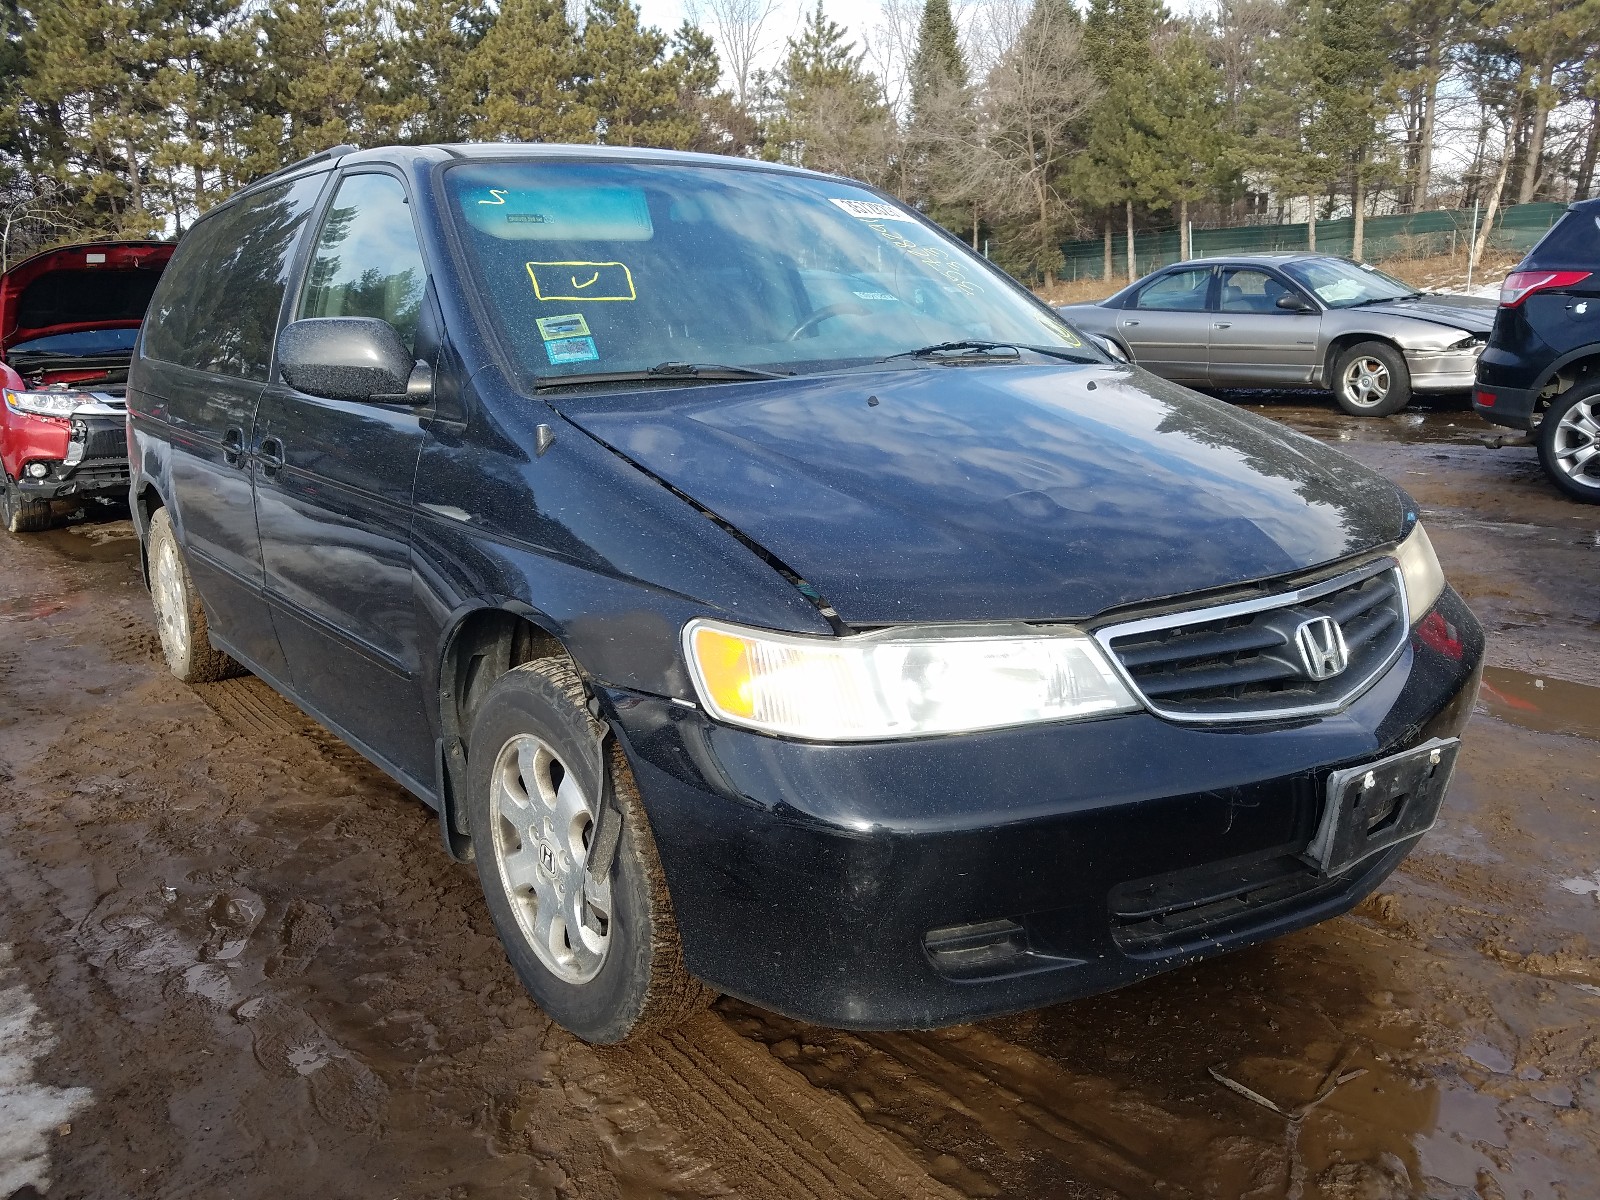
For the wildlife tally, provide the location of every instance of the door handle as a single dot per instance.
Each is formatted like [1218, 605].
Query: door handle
[271, 456]
[1128, 324]
[1222, 325]
[233, 446]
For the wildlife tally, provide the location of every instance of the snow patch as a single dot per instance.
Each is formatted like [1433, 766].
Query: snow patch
[29, 1111]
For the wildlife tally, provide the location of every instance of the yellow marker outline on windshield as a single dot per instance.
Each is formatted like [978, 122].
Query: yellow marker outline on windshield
[576, 286]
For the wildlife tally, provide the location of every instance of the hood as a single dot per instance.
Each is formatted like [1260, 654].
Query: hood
[98, 285]
[999, 492]
[1474, 314]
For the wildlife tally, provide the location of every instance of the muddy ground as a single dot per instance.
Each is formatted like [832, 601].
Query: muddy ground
[246, 950]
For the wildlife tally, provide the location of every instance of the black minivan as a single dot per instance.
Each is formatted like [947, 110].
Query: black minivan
[773, 597]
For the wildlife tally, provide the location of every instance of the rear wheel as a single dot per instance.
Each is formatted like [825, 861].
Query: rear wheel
[1569, 442]
[23, 514]
[180, 617]
[576, 892]
[1370, 379]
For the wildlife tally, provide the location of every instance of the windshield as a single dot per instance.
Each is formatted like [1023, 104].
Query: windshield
[593, 268]
[88, 343]
[1341, 284]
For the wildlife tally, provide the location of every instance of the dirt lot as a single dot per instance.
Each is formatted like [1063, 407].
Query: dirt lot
[240, 965]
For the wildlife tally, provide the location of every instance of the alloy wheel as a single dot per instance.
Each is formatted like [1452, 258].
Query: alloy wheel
[1576, 447]
[1366, 381]
[543, 829]
[171, 601]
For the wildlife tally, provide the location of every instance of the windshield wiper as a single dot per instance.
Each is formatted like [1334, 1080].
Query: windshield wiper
[666, 372]
[1384, 299]
[981, 351]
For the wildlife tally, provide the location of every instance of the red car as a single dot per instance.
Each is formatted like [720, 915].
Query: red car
[68, 320]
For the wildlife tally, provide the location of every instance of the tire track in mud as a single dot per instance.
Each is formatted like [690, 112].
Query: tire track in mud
[788, 1137]
[1101, 1130]
[251, 708]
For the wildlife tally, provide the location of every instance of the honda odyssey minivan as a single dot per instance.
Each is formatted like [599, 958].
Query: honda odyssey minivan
[772, 597]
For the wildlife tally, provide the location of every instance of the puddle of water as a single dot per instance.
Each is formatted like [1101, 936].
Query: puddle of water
[1539, 703]
[94, 542]
[1448, 427]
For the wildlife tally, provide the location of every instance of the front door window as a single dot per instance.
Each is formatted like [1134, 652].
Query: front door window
[1251, 291]
[368, 263]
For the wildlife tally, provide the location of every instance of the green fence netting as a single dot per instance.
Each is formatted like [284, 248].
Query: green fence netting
[1413, 235]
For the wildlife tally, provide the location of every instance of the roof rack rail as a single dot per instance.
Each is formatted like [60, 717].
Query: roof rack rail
[331, 153]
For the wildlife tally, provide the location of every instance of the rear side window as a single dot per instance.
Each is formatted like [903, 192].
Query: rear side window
[217, 306]
[1573, 241]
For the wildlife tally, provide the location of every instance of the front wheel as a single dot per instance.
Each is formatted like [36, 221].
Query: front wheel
[569, 872]
[1370, 379]
[22, 514]
[1569, 443]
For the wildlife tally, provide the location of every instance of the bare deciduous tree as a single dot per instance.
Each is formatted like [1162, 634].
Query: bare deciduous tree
[1014, 161]
[738, 26]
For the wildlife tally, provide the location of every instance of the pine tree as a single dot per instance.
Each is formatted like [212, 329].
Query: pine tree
[721, 123]
[628, 82]
[528, 69]
[1349, 61]
[1119, 160]
[940, 116]
[937, 64]
[1183, 113]
[429, 94]
[90, 67]
[833, 114]
[315, 75]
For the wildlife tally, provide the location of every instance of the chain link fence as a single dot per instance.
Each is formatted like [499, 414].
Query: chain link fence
[1412, 235]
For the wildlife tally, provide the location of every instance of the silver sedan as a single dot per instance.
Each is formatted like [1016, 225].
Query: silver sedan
[1294, 320]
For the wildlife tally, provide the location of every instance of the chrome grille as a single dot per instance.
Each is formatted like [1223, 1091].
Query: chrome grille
[1259, 659]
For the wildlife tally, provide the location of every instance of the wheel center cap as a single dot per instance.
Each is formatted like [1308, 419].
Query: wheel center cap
[547, 856]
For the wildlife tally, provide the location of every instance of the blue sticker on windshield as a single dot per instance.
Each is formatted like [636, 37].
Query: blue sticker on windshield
[571, 350]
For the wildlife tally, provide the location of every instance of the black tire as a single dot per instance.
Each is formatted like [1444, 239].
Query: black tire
[1371, 393]
[1569, 428]
[180, 617]
[640, 984]
[21, 514]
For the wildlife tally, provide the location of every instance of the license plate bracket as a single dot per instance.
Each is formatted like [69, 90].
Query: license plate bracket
[1376, 805]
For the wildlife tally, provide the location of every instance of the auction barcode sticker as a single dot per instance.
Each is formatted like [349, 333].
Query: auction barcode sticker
[873, 210]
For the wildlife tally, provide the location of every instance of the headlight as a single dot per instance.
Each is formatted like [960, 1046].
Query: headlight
[899, 683]
[1419, 568]
[47, 404]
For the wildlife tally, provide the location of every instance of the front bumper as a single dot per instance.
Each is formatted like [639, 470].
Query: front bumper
[106, 479]
[923, 883]
[1442, 370]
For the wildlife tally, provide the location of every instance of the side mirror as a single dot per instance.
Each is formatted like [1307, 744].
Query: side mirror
[347, 358]
[1109, 347]
[1292, 303]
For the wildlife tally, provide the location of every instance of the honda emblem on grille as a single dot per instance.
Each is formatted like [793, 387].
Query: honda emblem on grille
[1323, 653]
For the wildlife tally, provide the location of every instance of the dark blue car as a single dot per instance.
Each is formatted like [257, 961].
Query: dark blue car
[1541, 368]
[772, 597]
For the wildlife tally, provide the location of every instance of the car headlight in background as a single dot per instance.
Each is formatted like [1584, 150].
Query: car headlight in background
[46, 404]
[1419, 568]
[899, 683]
